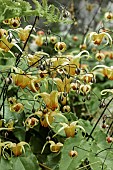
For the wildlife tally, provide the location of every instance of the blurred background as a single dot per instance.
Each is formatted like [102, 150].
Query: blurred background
[86, 14]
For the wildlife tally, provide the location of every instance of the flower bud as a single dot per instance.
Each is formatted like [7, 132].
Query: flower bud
[73, 153]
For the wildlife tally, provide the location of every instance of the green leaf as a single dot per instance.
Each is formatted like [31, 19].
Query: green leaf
[53, 160]
[10, 9]
[26, 162]
[5, 164]
[71, 162]
[94, 162]
[49, 12]
[19, 132]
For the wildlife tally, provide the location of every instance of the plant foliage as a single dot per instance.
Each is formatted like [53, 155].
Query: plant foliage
[56, 90]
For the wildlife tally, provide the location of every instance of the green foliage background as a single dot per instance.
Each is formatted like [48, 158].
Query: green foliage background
[93, 153]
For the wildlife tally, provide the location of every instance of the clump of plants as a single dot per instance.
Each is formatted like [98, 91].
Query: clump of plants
[55, 89]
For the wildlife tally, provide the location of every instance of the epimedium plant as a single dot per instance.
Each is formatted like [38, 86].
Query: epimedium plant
[55, 107]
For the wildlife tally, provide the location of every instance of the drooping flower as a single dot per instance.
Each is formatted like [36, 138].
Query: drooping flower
[108, 72]
[18, 107]
[88, 78]
[23, 33]
[60, 47]
[63, 85]
[31, 122]
[97, 38]
[72, 65]
[85, 88]
[100, 56]
[69, 128]
[47, 116]
[108, 16]
[53, 39]
[51, 100]
[47, 119]
[5, 45]
[12, 22]
[33, 60]
[16, 149]
[22, 79]
[66, 108]
[54, 147]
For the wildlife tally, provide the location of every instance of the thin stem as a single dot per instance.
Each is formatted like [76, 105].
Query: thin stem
[109, 127]
[99, 119]
[102, 151]
[105, 158]
[19, 55]
[91, 21]
[81, 148]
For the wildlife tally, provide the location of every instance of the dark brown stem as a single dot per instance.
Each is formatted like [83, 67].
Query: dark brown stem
[19, 55]
[99, 119]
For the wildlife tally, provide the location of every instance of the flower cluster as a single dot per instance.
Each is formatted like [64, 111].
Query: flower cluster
[46, 82]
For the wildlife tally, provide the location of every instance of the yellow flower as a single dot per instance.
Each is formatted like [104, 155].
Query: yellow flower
[10, 125]
[47, 116]
[69, 128]
[97, 38]
[60, 47]
[63, 98]
[66, 108]
[34, 59]
[42, 73]
[20, 79]
[18, 107]
[108, 16]
[15, 148]
[31, 122]
[5, 45]
[51, 100]
[85, 88]
[83, 46]
[47, 119]
[58, 61]
[55, 64]
[63, 85]
[75, 85]
[53, 39]
[12, 22]
[108, 72]
[100, 56]
[54, 147]
[34, 84]
[39, 40]
[88, 77]
[72, 65]
[12, 100]
[24, 33]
